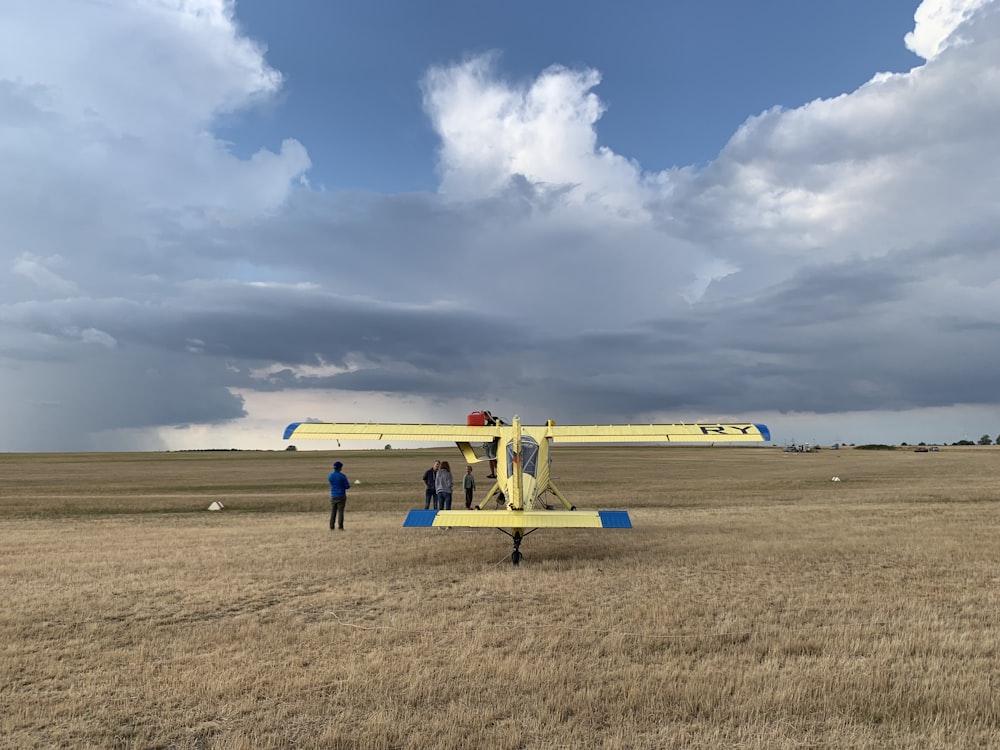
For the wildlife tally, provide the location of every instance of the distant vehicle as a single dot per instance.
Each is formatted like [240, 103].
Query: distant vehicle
[921, 449]
[934, 449]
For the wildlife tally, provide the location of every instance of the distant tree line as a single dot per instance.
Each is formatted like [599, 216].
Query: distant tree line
[984, 440]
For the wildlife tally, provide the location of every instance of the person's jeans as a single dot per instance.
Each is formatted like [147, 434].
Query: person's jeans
[430, 495]
[444, 501]
[337, 511]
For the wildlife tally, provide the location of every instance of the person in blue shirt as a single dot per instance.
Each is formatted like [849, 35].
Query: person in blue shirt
[430, 483]
[339, 485]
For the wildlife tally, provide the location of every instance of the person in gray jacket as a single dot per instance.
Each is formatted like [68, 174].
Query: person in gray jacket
[444, 485]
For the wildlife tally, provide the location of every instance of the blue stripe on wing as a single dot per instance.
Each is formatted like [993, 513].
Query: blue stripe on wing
[420, 518]
[615, 519]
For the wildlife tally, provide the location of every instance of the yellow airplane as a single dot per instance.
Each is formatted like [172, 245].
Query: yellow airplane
[520, 454]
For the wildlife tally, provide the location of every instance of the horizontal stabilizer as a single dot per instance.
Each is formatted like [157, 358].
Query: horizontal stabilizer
[521, 519]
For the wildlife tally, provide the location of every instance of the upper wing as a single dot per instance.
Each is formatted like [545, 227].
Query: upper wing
[606, 433]
[659, 433]
[445, 433]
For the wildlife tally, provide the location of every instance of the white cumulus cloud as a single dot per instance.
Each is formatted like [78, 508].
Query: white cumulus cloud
[937, 22]
[544, 131]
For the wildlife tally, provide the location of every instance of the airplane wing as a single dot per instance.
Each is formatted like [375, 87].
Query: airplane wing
[659, 433]
[445, 433]
[521, 519]
[608, 433]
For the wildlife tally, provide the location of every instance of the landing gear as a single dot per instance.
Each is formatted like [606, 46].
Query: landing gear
[517, 536]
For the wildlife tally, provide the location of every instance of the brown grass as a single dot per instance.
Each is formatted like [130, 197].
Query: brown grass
[756, 604]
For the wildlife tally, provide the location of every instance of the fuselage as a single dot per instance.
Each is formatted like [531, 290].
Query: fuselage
[523, 464]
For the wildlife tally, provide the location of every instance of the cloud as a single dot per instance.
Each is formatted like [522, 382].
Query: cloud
[110, 171]
[938, 23]
[543, 131]
[38, 271]
[114, 106]
[837, 258]
[903, 164]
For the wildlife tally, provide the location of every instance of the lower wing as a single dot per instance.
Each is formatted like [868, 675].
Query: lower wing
[521, 519]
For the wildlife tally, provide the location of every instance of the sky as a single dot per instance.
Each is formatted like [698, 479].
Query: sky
[217, 218]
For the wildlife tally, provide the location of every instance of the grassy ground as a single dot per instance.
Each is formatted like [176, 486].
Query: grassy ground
[756, 604]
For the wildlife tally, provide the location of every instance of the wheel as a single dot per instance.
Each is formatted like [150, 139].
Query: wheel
[515, 557]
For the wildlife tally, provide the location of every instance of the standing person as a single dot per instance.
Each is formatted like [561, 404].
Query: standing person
[444, 486]
[491, 454]
[469, 483]
[338, 495]
[430, 477]
[492, 446]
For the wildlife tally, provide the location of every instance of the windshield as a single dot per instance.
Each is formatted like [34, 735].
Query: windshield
[529, 456]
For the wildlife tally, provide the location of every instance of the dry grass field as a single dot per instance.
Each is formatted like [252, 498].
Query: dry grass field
[756, 604]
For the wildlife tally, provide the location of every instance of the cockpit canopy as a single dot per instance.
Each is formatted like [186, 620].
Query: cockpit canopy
[529, 456]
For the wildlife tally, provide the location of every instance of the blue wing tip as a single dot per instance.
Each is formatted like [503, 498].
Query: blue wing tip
[764, 432]
[290, 429]
[615, 519]
[420, 518]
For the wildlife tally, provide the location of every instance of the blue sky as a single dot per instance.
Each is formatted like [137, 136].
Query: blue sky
[677, 78]
[217, 218]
